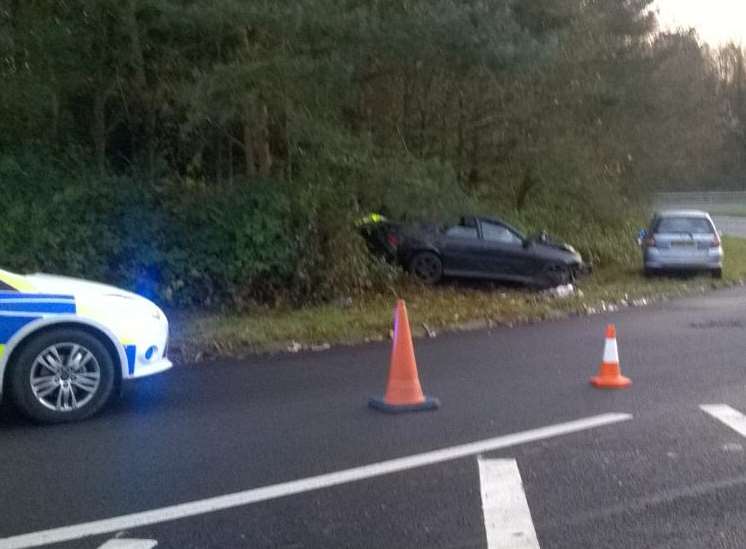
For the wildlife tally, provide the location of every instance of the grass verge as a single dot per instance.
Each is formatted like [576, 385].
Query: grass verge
[455, 306]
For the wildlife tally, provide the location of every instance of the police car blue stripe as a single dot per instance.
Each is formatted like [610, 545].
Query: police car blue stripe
[9, 325]
[131, 352]
[23, 296]
[38, 306]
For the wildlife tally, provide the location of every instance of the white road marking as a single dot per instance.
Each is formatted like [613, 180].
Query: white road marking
[184, 510]
[731, 417]
[507, 518]
[129, 544]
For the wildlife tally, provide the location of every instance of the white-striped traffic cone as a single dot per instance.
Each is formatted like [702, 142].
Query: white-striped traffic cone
[610, 374]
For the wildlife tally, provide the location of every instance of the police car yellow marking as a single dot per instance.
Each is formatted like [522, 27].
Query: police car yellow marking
[17, 282]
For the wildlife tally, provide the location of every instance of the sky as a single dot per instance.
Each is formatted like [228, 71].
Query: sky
[716, 21]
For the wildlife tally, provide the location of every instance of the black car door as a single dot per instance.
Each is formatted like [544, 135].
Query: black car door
[503, 253]
[461, 248]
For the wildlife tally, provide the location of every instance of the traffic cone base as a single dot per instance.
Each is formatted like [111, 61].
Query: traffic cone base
[403, 390]
[379, 403]
[616, 382]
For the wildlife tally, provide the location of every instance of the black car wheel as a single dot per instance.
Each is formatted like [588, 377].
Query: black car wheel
[62, 375]
[717, 273]
[427, 267]
[556, 275]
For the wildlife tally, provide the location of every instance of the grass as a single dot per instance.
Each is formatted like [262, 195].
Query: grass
[447, 307]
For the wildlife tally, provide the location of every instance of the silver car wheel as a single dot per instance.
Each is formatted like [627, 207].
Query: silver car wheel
[65, 377]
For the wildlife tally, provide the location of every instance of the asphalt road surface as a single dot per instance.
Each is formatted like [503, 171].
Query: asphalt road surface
[731, 225]
[305, 463]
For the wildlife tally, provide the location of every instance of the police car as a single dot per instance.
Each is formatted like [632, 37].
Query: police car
[66, 344]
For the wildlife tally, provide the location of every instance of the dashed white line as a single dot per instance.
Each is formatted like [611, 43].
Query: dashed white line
[507, 517]
[730, 416]
[210, 505]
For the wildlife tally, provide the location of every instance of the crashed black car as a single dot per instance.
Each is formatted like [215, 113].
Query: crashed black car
[476, 247]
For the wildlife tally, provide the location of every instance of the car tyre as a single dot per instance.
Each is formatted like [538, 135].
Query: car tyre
[62, 375]
[426, 266]
[717, 273]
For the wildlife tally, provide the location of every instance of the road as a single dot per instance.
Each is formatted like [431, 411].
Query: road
[662, 472]
[731, 225]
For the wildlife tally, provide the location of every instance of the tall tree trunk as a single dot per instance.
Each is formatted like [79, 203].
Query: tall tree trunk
[54, 101]
[365, 112]
[98, 130]
[146, 97]
[445, 109]
[527, 184]
[407, 84]
[474, 174]
[150, 139]
[285, 130]
[423, 145]
[230, 161]
[218, 158]
[740, 105]
[136, 54]
[248, 141]
[262, 148]
[460, 147]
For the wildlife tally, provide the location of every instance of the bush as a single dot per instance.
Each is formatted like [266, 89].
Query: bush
[70, 224]
[228, 244]
[195, 246]
[604, 244]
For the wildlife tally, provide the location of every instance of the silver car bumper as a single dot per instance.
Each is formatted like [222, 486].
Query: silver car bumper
[706, 260]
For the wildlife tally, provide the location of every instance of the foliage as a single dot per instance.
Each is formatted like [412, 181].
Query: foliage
[195, 248]
[219, 152]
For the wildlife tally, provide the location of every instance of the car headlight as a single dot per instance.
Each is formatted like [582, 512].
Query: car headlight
[154, 311]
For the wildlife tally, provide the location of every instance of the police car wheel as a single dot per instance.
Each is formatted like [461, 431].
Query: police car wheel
[62, 375]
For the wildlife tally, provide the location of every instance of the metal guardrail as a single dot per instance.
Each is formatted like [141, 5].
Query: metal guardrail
[711, 197]
[715, 202]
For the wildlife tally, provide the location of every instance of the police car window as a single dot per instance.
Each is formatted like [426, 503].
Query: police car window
[497, 233]
[460, 231]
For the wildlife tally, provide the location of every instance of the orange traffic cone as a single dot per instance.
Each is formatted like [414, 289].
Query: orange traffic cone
[610, 375]
[403, 391]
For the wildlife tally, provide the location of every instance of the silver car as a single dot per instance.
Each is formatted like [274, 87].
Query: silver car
[682, 240]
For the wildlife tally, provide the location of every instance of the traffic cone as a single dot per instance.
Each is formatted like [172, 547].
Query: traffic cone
[610, 375]
[403, 391]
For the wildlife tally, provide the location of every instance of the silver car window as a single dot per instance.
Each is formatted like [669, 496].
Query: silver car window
[692, 225]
